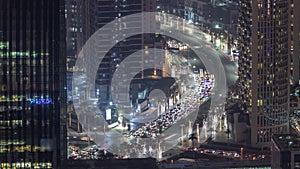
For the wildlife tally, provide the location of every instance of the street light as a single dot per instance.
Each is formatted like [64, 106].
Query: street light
[242, 149]
[198, 133]
[205, 128]
[159, 150]
[182, 128]
[190, 127]
[220, 124]
[158, 109]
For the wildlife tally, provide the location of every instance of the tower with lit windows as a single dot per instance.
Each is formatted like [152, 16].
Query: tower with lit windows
[32, 84]
[295, 41]
[107, 11]
[264, 66]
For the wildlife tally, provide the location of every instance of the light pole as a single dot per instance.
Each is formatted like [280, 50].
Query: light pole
[220, 125]
[182, 128]
[159, 16]
[198, 133]
[78, 126]
[104, 130]
[158, 109]
[205, 128]
[159, 152]
[70, 118]
[242, 150]
[190, 127]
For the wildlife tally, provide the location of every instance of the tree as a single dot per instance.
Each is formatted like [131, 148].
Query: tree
[228, 134]
[192, 137]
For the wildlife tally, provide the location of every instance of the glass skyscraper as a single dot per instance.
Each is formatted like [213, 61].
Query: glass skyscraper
[107, 11]
[32, 83]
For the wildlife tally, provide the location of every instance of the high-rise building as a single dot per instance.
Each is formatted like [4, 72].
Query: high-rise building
[71, 12]
[32, 84]
[71, 41]
[86, 21]
[285, 151]
[295, 61]
[295, 41]
[81, 23]
[218, 20]
[107, 11]
[174, 8]
[264, 66]
[85, 17]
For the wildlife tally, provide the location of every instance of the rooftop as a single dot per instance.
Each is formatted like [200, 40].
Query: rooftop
[287, 141]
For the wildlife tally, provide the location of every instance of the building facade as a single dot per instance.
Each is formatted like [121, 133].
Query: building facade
[108, 11]
[174, 8]
[32, 84]
[218, 19]
[295, 41]
[264, 66]
[285, 151]
[71, 11]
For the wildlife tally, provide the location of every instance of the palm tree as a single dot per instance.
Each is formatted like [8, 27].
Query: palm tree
[192, 137]
[228, 133]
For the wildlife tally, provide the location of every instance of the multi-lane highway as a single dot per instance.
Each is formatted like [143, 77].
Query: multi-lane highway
[215, 62]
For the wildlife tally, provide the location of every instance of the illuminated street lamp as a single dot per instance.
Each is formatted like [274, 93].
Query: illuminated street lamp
[242, 150]
[158, 109]
[220, 125]
[159, 152]
[198, 133]
[159, 16]
[190, 127]
[205, 128]
[182, 128]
